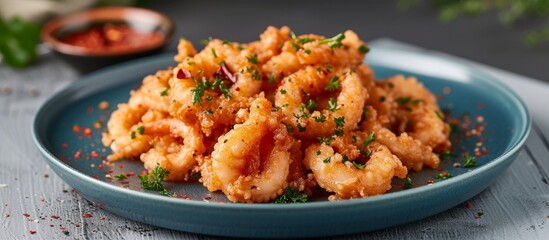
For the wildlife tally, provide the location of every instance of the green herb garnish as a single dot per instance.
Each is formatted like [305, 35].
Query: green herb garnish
[333, 42]
[332, 104]
[153, 181]
[443, 176]
[252, 59]
[311, 105]
[141, 130]
[292, 195]
[121, 177]
[470, 161]
[333, 84]
[407, 183]
[363, 49]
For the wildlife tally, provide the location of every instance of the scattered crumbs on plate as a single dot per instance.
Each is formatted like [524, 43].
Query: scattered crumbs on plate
[103, 105]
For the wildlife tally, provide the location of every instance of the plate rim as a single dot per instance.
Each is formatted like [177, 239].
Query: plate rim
[84, 81]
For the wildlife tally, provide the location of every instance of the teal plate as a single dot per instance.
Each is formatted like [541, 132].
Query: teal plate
[78, 158]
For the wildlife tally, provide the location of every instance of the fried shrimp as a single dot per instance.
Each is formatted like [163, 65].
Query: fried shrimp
[122, 134]
[411, 152]
[344, 111]
[418, 112]
[153, 93]
[279, 116]
[251, 162]
[176, 149]
[348, 179]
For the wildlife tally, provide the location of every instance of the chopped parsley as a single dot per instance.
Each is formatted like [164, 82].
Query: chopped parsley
[226, 42]
[407, 183]
[153, 181]
[446, 155]
[311, 105]
[141, 130]
[439, 115]
[198, 92]
[363, 49]
[292, 195]
[282, 91]
[132, 135]
[326, 140]
[318, 152]
[289, 127]
[320, 119]
[333, 84]
[408, 100]
[358, 165]
[470, 162]
[339, 132]
[208, 112]
[332, 104]
[121, 177]
[165, 92]
[365, 113]
[333, 42]
[307, 51]
[443, 176]
[301, 128]
[339, 121]
[272, 78]
[329, 68]
[327, 160]
[213, 52]
[304, 40]
[252, 59]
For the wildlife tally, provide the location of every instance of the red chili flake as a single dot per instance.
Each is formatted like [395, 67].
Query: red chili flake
[446, 90]
[32, 231]
[480, 106]
[97, 125]
[87, 215]
[90, 109]
[144, 172]
[26, 214]
[183, 74]
[51, 225]
[468, 205]
[54, 216]
[129, 174]
[76, 128]
[87, 132]
[96, 177]
[125, 182]
[224, 72]
[77, 225]
[237, 89]
[64, 145]
[94, 154]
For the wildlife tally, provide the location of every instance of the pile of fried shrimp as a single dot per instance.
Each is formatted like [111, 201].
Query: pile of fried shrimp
[285, 111]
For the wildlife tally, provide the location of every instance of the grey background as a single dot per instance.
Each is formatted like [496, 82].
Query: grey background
[482, 39]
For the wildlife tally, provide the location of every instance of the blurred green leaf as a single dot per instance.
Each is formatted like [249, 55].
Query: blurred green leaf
[510, 11]
[18, 42]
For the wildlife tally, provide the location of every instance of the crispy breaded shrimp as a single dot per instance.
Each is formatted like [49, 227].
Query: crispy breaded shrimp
[411, 152]
[345, 179]
[153, 93]
[122, 129]
[348, 105]
[417, 112]
[176, 150]
[251, 162]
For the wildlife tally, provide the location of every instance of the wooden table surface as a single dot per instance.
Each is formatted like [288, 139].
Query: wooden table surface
[33, 198]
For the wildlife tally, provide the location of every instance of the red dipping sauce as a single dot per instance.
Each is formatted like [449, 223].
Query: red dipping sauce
[113, 37]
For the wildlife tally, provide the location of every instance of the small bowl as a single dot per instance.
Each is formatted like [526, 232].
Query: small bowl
[86, 59]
